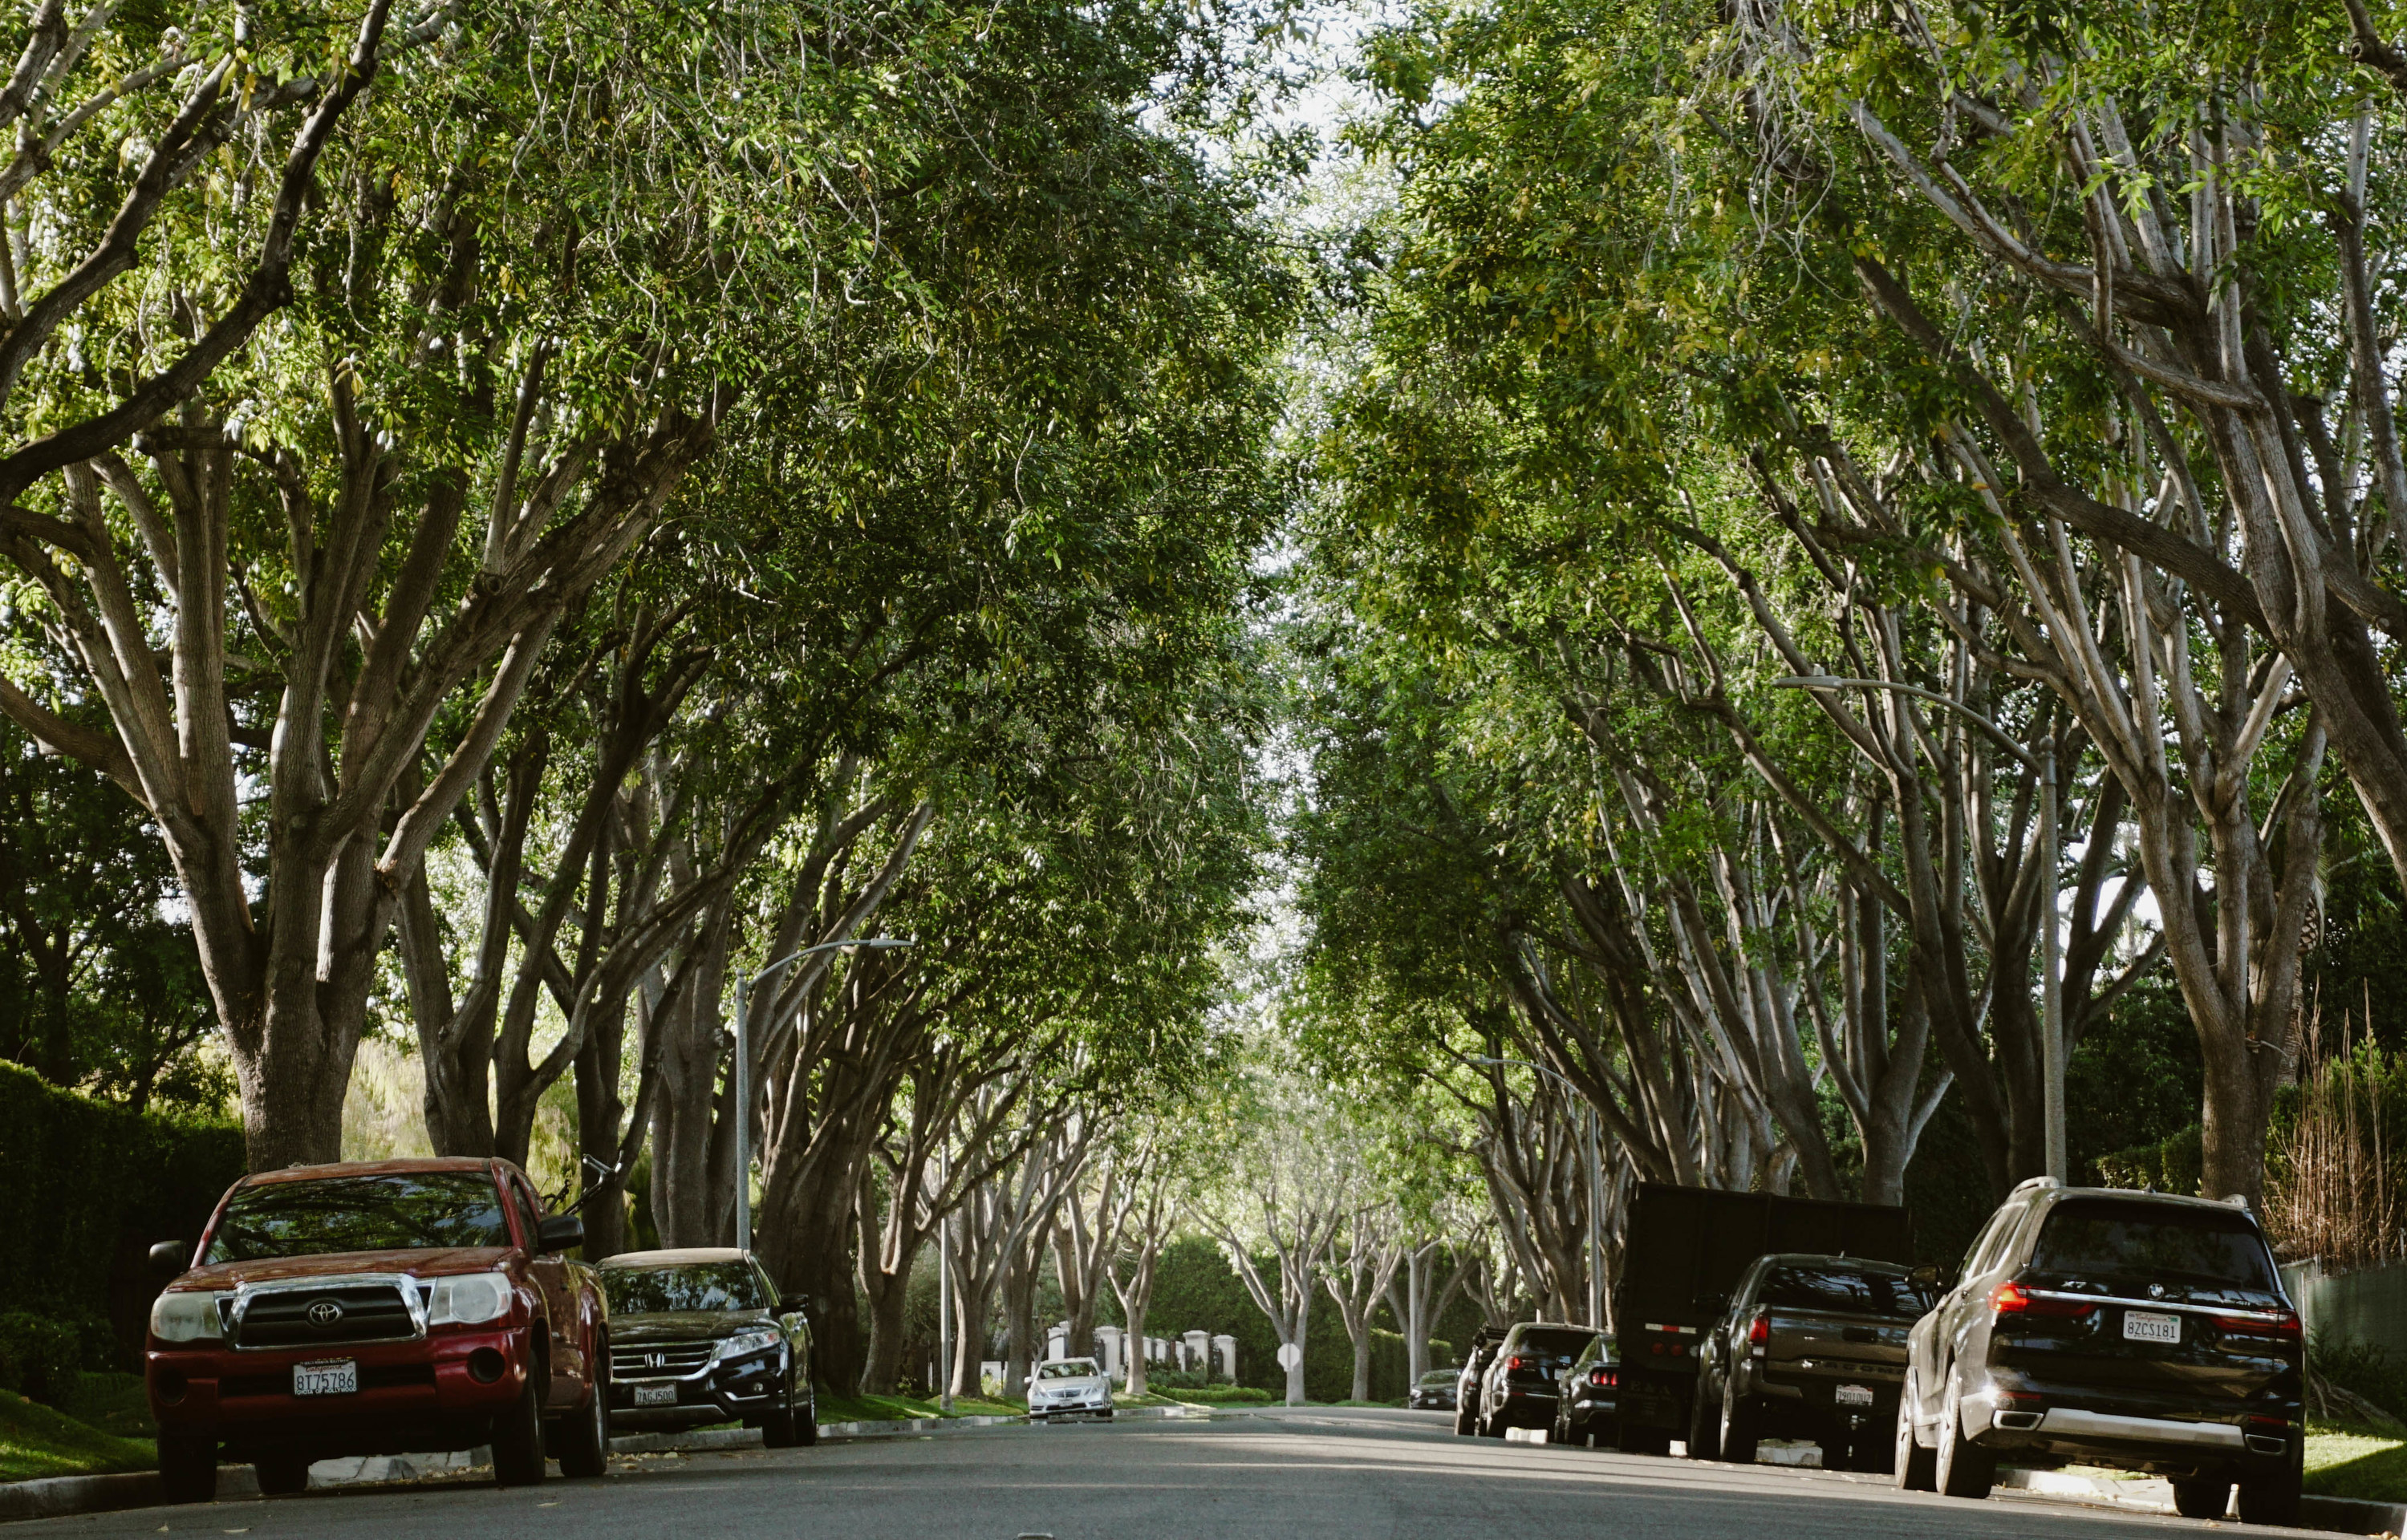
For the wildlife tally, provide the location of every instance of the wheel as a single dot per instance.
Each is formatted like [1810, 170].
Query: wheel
[2202, 1497]
[1913, 1468]
[282, 1474]
[1964, 1468]
[584, 1447]
[517, 1442]
[807, 1419]
[1873, 1451]
[1738, 1427]
[1834, 1452]
[1491, 1426]
[1463, 1427]
[188, 1468]
[777, 1428]
[1704, 1426]
[1643, 1440]
[2275, 1499]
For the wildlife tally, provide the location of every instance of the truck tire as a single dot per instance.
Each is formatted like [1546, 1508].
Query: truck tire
[1704, 1426]
[1964, 1468]
[1739, 1430]
[583, 1448]
[188, 1468]
[1655, 1441]
[778, 1431]
[1913, 1468]
[281, 1474]
[517, 1442]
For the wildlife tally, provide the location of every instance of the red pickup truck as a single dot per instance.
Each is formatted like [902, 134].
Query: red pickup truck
[379, 1307]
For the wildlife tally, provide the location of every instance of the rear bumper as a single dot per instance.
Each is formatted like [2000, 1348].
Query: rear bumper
[2157, 1433]
[420, 1396]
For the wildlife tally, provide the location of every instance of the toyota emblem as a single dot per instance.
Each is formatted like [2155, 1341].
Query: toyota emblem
[323, 1313]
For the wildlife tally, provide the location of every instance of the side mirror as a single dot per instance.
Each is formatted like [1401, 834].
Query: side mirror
[1029, 1381]
[1927, 1276]
[795, 1304]
[560, 1233]
[168, 1258]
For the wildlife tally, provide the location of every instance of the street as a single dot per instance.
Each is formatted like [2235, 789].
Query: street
[1320, 1471]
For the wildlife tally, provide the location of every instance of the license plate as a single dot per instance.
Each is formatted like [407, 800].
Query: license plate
[655, 1395]
[1853, 1396]
[2149, 1326]
[335, 1376]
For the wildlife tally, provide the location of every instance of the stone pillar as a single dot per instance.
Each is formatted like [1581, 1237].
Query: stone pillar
[1057, 1340]
[1198, 1353]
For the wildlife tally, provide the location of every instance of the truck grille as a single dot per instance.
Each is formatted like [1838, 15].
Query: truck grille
[319, 1317]
[659, 1360]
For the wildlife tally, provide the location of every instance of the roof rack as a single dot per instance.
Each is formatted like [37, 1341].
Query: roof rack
[2036, 1184]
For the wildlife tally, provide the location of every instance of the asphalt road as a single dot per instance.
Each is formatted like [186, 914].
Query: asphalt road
[1337, 1474]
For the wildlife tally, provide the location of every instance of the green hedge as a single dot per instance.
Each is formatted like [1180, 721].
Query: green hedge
[2175, 1164]
[88, 1189]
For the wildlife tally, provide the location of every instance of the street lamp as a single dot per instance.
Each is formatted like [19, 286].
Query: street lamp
[2051, 989]
[1595, 1187]
[744, 983]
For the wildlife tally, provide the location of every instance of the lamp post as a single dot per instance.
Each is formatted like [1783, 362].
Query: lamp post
[744, 983]
[2051, 988]
[1595, 1188]
[945, 1288]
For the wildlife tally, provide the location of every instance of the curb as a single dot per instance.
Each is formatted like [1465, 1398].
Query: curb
[62, 1496]
[2334, 1515]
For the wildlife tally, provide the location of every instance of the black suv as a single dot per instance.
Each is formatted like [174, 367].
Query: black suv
[1519, 1389]
[1810, 1346]
[1587, 1398]
[1483, 1344]
[2116, 1328]
[700, 1335]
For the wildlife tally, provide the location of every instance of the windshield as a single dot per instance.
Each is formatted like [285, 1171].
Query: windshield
[1067, 1369]
[2155, 1241]
[1559, 1342]
[426, 1212]
[1844, 1290]
[695, 1286]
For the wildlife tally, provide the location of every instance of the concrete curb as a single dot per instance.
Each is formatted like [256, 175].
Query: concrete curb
[61, 1496]
[2149, 1494]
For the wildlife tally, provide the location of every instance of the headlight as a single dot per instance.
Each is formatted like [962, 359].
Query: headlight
[469, 1300]
[748, 1342]
[190, 1315]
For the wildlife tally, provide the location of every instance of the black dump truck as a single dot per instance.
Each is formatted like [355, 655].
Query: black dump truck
[1686, 1249]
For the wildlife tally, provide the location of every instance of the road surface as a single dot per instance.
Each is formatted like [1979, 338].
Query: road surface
[1330, 1473]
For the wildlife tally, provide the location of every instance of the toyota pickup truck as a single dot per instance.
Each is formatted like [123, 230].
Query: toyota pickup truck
[1811, 1347]
[378, 1308]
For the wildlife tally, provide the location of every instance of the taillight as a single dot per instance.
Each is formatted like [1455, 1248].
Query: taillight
[1600, 1377]
[1759, 1331]
[1518, 1362]
[2284, 1328]
[2013, 1299]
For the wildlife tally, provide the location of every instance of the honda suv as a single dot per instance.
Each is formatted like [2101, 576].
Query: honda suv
[700, 1335]
[2134, 1330]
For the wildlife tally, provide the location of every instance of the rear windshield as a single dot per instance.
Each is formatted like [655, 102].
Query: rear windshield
[392, 1213]
[693, 1286]
[1844, 1290]
[2153, 1242]
[1554, 1342]
[1439, 1376]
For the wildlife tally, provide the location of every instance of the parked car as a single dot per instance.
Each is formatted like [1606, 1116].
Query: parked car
[1811, 1347]
[1435, 1391]
[700, 1335]
[1483, 1344]
[1588, 1397]
[1519, 1389]
[378, 1308]
[2135, 1330]
[1686, 1250]
[1069, 1387]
